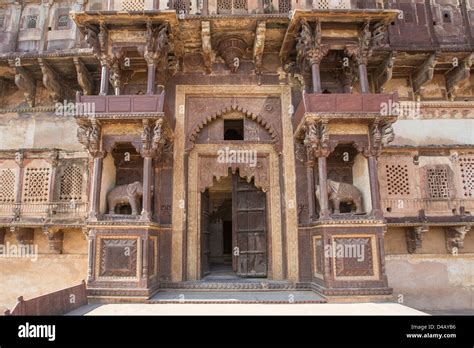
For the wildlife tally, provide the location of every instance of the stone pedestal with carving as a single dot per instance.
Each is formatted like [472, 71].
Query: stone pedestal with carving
[123, 261]
[347, 259]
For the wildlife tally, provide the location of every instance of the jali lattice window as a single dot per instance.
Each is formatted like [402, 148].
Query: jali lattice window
[224, 6]
[240, 5]
[133, 5]
[36, 185]
[181, 6]
[7, 186]
[284, 6]
[438, 182]
[332, 4]
[397, 179]
[71, 184]
[467, 175]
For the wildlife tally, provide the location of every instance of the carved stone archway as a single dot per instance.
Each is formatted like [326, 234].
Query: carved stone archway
[203, 167]
[234, 108]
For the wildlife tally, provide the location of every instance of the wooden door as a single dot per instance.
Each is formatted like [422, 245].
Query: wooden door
[249, 216]
[205, 235]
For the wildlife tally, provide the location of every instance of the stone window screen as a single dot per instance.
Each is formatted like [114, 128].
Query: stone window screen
[133, 5]
[71, 183]
[7, 186]
[240, 5]
[36, 185]
[181, 6]
[284, 6]
[438, 182]
[63, 21]
[224, 6]
[397, 179]
[332, 4]
[467, 175]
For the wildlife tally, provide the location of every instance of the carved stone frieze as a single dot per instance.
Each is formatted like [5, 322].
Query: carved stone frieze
[210, 167]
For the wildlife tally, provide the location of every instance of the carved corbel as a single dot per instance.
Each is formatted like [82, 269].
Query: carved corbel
[154, 137]
[316, 140]
[84, 77]
[51, 81]
[362, 51]
[25, 82]
[381, 134]
[55, 239]
[459, 77]
[384, 72]
[91, 36]
[259, 46]
[2, 235]
[414, 237]
[23, 235]
[88, 134]
[424, 74]
[206, 45]
[455, 237]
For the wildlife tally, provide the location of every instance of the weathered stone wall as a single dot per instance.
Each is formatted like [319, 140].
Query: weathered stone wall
[430, 279]
[44, 272]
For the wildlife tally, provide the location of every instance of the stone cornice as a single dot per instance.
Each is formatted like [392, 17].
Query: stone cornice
[78, 52]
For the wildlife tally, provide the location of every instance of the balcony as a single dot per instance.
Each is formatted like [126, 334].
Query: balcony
[345, 107]
[120, 106]
[57, 210]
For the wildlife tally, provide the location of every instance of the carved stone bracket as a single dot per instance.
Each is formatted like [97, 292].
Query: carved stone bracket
[51, 81]
[55, 239]
[2, 235]
[259, 45]
[25, 82]
[381, 135]
[362, 51]
[424, 74]
[89, 135]
[384, 72]
[459, 77]
[414, 237]
[316, 140]
[309, 47]
[206, 45]
[84, 77]
[455, 237]
[154, 138]
[157, 45]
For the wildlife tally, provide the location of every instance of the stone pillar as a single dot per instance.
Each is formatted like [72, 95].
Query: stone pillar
[150, 90]
[104, 78]
[91, 251]
[147, 212]
[364, 80]
[315, 56]
[205, 7]
[323, 188]
[374, 186]
[94, 200]
[316, 77]
[311, 191]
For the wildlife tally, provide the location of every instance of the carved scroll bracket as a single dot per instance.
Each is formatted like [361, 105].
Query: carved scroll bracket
[89, 135]
[381, 135]
[155, 137]
[455, 237]
[414, 237]
[316, 140]
[51, 81]
[25, 82]
[55, 239]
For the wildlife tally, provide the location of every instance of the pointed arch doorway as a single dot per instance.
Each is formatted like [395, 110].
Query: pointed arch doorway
[234, 232]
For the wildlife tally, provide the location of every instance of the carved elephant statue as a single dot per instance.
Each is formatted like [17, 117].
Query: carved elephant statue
[341, 192]
[125, 194]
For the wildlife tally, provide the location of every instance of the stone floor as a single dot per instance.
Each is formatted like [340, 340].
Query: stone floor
[242, 308]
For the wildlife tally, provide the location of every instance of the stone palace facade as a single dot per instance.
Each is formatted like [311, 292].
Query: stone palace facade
[323, 145]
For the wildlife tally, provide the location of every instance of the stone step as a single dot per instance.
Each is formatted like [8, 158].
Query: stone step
[230, 297]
